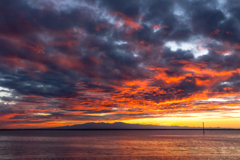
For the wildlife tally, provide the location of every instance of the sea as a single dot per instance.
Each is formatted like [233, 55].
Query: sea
[119, 144]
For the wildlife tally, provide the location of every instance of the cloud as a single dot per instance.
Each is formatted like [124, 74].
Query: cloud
[80, 61]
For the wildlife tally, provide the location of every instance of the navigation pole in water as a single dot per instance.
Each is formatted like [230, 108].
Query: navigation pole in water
[203, 128]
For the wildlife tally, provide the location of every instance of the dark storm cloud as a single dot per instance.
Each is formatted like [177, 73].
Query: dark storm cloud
[48, 86]
[130, 9]
[232, 85]
[184, 89]
[6, 109]
[169, 56]
[103, 58]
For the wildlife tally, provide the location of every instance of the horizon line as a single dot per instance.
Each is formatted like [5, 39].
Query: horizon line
[127, 129]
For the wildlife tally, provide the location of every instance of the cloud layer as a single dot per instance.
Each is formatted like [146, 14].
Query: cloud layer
[69, 62]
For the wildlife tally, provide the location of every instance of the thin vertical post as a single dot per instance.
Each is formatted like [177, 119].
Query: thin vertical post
[203, 128]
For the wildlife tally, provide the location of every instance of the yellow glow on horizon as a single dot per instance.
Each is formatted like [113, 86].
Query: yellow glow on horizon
[211, 122]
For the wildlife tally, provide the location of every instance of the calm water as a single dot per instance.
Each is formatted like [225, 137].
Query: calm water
[119, 144]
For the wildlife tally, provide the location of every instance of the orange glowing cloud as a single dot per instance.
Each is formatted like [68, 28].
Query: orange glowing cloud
[215, 32]
[160, 26]
[128, 22]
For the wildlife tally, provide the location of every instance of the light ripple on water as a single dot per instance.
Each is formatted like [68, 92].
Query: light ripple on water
[143, 144]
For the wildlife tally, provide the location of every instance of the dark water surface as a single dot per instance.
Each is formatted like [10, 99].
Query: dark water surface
[119, 144]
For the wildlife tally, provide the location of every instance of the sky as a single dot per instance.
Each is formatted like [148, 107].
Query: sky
[160, 62]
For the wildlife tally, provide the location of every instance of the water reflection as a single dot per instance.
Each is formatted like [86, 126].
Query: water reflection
[119, 144]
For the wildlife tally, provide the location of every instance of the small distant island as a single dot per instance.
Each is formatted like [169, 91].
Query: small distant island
[122, 126]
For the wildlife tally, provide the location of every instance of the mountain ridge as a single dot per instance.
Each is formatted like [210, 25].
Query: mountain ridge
[120, 125]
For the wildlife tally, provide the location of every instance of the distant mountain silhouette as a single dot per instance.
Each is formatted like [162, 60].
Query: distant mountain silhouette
[120, 125]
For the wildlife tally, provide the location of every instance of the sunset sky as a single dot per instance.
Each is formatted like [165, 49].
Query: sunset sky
[160, 62]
